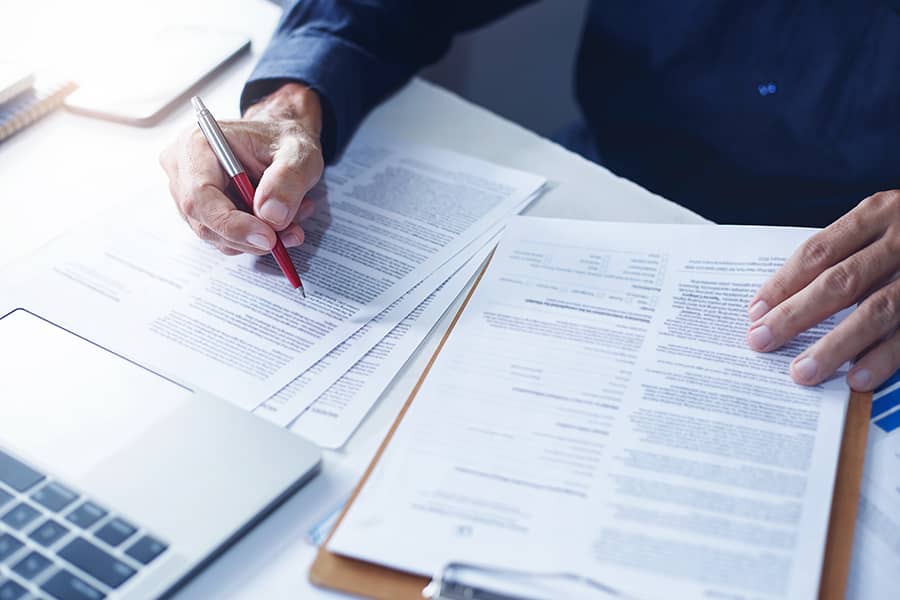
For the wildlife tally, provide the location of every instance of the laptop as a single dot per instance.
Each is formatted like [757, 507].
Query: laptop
[116, 482]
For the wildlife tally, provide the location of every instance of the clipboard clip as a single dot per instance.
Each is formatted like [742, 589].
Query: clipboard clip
[466, 581]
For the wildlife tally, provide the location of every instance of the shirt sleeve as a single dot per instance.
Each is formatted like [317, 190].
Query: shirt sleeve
[354, 53]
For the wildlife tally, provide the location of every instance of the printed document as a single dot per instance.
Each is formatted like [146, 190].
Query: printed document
[387, 216]
[338, 411]
[596, 410]
[296, 397]
[875, 562]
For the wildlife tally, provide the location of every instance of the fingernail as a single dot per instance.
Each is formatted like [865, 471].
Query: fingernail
[805, 369]
[274, 211]
[860, 380]
[290, 239]
[260, 241]
[758, 310]
[760, 338]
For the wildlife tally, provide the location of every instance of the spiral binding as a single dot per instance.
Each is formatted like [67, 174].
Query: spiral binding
[29, 106]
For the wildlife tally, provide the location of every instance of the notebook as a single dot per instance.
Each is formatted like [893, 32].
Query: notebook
[26, 107]
[14, 79]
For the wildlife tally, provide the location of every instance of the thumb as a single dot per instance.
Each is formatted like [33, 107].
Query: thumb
[295, 169]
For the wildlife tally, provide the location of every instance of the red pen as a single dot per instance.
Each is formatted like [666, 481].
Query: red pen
[238, 175]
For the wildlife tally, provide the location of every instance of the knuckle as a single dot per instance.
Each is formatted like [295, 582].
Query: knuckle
[815, 252]
[881, 307]
[220, 223]
[887, 200]
[842, 281]
[785, 313]
[189, 204]
[849, 225]
[892, 242]
[227, 225]
[777, 286]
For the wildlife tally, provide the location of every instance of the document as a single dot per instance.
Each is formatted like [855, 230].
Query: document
[292, 400]
[387, 216]
[335, 414]
[875, 562]
[596, 411]
[300, 394]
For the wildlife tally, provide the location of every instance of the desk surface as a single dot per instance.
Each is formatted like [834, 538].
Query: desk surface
[43, 170]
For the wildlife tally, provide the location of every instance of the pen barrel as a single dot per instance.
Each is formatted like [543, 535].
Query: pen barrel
[245, 191]
[219, 144]
[279, 252]
[281, 256]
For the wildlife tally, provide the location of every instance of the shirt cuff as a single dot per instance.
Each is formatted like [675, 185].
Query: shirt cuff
[349, 80]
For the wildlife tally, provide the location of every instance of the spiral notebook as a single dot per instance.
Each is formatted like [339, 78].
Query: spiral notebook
[30, 105]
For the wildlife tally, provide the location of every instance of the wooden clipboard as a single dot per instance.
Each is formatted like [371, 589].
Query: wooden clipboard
[361, 578]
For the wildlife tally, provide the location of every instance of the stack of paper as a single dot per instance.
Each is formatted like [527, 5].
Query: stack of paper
[875, 562]
[398, 232]
[612, 423]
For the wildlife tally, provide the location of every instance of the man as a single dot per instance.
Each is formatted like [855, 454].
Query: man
[746, 112]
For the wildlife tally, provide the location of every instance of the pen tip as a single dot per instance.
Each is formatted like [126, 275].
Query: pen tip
[302, 291]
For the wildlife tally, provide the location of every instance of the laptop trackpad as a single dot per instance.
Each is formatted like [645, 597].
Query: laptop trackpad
[68, 404]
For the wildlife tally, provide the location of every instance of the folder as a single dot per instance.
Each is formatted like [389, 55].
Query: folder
[370, 580]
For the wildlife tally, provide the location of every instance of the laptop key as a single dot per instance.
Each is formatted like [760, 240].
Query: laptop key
[115, 532]
[17, 474]
[65, 586]
[32, 565]
[4, 497]
[86, 515]
[48, 533]
[146, 549]
[20, 515]
[103, 567]
[54, 496]
[10, 590]
[8, 546]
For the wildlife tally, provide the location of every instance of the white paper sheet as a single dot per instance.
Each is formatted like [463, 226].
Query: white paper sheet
[597, 410]
[875, 562]
[329, 373]
[334, 415]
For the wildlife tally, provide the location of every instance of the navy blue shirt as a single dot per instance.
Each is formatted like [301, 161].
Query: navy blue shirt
[761, 112]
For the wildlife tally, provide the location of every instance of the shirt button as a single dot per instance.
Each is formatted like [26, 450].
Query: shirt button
[766, 89]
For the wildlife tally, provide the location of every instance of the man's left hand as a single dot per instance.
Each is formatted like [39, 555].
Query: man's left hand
[853, 260]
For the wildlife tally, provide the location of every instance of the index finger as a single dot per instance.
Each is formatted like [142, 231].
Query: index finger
[210, 206]
[823, 250]
[201, 197]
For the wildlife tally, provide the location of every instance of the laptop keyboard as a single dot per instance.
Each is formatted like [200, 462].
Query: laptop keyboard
[55, 543]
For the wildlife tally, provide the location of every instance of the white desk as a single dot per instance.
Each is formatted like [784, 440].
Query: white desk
[67, 168]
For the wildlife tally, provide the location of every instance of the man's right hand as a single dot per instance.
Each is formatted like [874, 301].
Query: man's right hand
[277, 141]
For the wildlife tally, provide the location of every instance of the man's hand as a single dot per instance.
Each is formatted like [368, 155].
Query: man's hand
[855, 259]
[277, 141]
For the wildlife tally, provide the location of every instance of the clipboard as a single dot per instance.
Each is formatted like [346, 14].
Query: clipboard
[353, 576]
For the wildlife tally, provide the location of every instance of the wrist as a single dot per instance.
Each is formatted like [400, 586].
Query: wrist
[290, 102]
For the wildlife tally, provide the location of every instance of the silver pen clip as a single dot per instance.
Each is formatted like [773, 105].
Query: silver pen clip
[216, 138]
